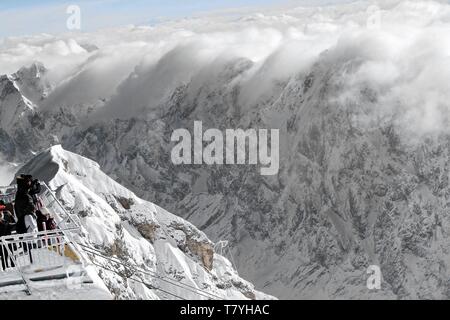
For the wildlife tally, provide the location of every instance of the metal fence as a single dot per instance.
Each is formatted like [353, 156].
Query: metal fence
[36, 251]
[44, 251]
[64, 219]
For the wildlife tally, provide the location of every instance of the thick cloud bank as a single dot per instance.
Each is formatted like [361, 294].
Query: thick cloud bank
[400, 49]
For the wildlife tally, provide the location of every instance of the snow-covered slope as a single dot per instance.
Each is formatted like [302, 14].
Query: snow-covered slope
[121, 225]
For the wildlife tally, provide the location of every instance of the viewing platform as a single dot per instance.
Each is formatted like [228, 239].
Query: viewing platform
[47, 264]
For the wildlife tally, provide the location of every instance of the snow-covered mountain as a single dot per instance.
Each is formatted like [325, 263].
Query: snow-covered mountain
[20, 94]
[119, 224]
[363, 119]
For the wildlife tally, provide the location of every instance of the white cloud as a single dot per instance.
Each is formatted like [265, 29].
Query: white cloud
[405, 60]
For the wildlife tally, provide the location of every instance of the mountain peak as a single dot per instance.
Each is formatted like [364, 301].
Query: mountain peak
[34, 70]
[32, 83]
[121, 225]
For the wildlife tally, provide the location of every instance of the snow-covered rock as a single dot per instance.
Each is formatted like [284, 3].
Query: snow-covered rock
[121, 225]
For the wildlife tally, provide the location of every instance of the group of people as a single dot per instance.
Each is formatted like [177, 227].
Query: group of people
[25, 215]
[27, 204]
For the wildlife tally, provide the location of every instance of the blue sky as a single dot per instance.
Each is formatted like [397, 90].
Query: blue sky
[23, 17]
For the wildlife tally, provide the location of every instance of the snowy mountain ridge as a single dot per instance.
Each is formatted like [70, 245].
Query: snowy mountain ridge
[119, 224]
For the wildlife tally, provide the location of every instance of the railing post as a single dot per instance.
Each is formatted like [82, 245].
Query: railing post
[3, 262]
[6, 245]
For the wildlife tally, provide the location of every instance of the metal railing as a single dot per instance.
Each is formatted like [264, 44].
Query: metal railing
[43, 251]
[31, 253]
[64, 219]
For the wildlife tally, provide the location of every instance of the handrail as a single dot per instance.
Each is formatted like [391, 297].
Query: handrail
[47, 249]
[34, 235]
[69, 232]
[71, 218]
[50, 239]
[11, 256]
[136, 269]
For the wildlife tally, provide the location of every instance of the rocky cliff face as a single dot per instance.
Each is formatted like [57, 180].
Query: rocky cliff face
[21, 132]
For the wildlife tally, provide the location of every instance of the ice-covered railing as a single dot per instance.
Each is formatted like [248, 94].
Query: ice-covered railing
[30, 254]
[64, 218]
[43, 250]
[38, 256]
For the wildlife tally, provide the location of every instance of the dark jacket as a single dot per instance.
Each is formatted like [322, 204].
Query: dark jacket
[7, 223]
[23, 206]
[45, 222]
[34, 191]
